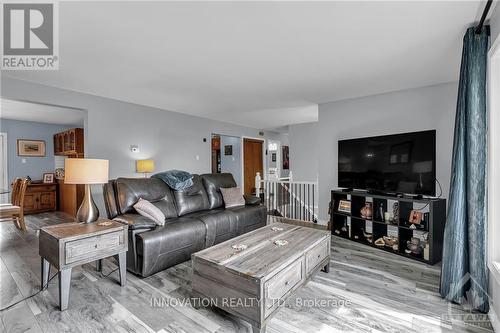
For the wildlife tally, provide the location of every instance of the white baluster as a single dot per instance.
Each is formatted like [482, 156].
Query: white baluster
[257, 184]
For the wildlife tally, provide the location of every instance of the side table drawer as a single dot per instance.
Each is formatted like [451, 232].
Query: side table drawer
[316, 255]
[89, 247]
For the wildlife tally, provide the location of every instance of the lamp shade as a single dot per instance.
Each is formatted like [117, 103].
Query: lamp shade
[145, 165]
[85, 171]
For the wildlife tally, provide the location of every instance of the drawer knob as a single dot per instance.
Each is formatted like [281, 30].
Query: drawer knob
[95, 246]
[286, 283]
[319, 255]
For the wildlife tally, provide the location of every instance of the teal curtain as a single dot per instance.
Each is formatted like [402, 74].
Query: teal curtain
[464, 276]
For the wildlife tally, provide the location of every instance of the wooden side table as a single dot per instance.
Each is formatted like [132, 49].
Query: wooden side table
[68, 245]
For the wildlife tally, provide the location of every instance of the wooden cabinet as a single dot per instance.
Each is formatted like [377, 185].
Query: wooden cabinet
[69, 143]
[70, 197]
[40, 198]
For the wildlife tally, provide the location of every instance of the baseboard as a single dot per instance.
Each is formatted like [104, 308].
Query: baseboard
[494, 319]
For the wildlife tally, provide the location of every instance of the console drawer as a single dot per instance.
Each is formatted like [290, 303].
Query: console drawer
[88, 247]
[282, 283]
[316, 255]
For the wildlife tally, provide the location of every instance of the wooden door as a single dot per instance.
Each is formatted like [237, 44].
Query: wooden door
[252, 163]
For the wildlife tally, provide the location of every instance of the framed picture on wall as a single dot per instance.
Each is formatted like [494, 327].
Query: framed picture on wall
[32, 148]
[286, 157]
[228, 150]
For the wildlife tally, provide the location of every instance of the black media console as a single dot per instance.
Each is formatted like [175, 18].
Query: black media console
[393, 232]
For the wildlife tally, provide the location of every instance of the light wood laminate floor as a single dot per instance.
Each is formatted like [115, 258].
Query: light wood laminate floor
[366, 290]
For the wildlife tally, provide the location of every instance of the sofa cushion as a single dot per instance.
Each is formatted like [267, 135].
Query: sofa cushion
[249, 217]
[232, 197]
[129, 190]
[169, 245]
[220, 225]
[213, 182]
[192, 199]
[147, 209]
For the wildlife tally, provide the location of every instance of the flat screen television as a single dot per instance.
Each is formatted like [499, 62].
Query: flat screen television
[399, 163]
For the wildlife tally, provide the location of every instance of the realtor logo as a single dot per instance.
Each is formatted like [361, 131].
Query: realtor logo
[29, 36]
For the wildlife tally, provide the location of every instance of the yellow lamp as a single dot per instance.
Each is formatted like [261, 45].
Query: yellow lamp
[86, 171]
[145, 166]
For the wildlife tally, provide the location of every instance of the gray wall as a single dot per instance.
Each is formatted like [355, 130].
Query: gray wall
[495, 23]
[34, 166]
[304, 151]
[173, 140]
[412, 110]
[231, 164]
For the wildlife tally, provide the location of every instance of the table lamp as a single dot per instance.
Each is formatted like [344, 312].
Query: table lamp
[145, 166]
[86, 171]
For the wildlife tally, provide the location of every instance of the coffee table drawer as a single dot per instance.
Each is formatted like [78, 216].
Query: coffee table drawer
[283, 282]
[89, 247]
[316, 255]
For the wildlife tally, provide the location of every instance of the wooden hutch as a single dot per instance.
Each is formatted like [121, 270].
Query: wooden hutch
[70, 144]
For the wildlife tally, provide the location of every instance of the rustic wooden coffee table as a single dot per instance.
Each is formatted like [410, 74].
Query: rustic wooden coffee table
[252, 283]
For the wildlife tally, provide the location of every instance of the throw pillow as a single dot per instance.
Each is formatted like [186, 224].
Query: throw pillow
[232, 197]
[147, 209]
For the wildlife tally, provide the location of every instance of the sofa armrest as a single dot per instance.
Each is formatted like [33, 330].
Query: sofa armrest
[136, 221]
[251, 200]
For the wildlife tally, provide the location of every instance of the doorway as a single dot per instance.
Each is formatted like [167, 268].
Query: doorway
[226, 156]
[273, 160]
[58, 132]
[4, 182]
[253, 162]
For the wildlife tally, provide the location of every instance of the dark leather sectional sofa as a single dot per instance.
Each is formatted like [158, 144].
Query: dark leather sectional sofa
[195, 219]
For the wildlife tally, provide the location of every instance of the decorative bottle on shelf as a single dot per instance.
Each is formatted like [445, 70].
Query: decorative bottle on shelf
[426, 251]
[395, 212]
[367, 211]
[381, 212]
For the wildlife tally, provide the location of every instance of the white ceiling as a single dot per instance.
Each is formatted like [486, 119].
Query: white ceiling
[260, 64]
[40, 113]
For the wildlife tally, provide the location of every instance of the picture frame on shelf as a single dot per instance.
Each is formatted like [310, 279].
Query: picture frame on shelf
[415, 217]
[344, 206]
[48, 178]
[30, 148]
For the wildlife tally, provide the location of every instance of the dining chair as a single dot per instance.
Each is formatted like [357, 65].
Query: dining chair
[15, 211]
[15, 188]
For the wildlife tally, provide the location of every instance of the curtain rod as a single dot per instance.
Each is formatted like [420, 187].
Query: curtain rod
[483, 17]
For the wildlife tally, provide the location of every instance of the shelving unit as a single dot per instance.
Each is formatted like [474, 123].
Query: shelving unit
[354, 227]
[69, 143]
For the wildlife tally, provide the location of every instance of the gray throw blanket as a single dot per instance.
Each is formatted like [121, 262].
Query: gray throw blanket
[176, 179]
